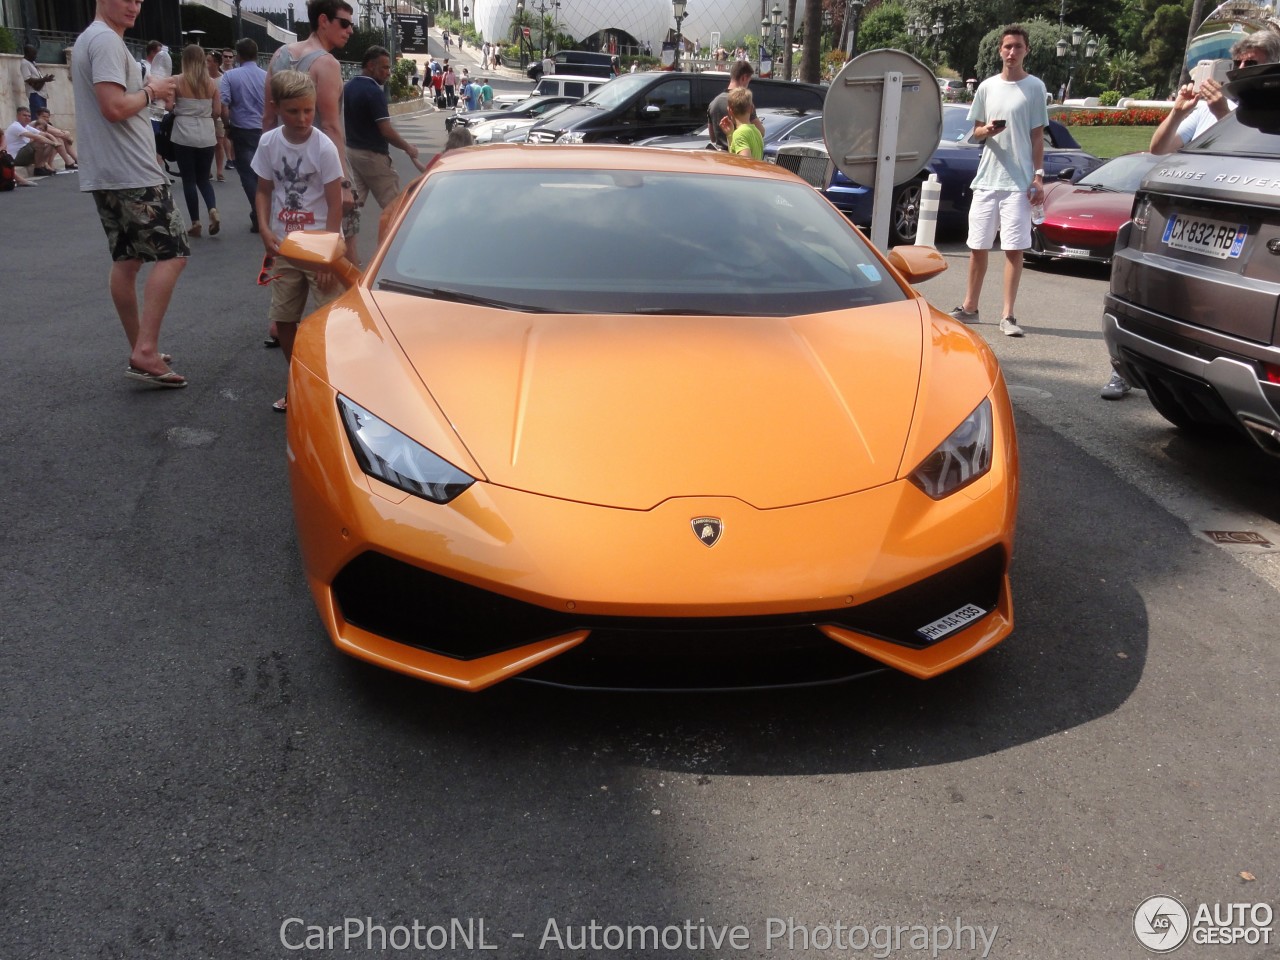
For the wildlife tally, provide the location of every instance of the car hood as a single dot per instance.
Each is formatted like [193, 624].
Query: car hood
[1087, 208]
[628, 411]
[570, 118]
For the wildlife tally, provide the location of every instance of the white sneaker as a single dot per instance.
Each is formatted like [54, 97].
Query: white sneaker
[965, 316]
[1116, 387]
[1009, 327]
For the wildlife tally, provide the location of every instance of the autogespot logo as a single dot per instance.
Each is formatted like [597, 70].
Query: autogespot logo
[1161, 923]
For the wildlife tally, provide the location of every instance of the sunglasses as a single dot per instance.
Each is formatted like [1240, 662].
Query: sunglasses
[343, 22]
[1247, 62]
[265, 275]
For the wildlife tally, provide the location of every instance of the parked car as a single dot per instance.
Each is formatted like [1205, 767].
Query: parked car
[952, 88]
[1191, 316]
[557, 85]
[530, 107]
[1081, 219]
[640, 105]
[781, 125]
[678, 426]
[955, 162]
[587, 63]
[514, 130]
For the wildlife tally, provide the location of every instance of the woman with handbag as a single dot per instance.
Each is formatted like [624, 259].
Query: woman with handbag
[194, 139]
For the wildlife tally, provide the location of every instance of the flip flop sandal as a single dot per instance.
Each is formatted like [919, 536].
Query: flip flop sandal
[169, 379]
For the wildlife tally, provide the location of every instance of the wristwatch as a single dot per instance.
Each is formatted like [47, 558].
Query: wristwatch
[1039, 173]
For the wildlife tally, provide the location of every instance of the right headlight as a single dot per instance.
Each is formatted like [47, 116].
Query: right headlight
[961, 458]
[386, 453]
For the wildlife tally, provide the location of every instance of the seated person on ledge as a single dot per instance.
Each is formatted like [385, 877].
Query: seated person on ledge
[66, 147]
[29, 146]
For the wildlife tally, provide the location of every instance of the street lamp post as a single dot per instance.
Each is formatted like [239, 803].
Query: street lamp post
[542, 28]
[679, 8]
[915, 30]
[938, 28]
[773, 30]
[854, 7]
[1072, 52]
[291, 18]
[524, 53]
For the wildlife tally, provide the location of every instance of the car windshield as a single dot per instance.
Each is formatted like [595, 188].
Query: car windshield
[776, 123]
[617, 91]
[631, 242]
[1123, 174]
[956, 125]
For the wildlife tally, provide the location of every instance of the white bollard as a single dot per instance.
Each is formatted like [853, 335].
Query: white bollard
[927, 227]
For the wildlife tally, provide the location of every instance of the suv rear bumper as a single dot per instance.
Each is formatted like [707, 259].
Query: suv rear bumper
[1182, 366]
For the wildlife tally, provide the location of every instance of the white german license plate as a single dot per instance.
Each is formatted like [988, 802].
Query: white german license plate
[951, 622]
[1210, 238]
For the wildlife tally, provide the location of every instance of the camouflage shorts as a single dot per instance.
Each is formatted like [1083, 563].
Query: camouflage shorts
[142, 223]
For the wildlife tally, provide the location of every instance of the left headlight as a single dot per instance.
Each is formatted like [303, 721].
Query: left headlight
[571, 137]
[386, 453]
[960, 459]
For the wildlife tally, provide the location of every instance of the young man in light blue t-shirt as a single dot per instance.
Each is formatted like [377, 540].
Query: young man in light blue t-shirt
[1009, 117]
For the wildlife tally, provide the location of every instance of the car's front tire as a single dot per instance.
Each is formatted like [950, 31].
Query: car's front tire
[904, 222]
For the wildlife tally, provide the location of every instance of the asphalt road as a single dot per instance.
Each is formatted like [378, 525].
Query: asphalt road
[190, 771]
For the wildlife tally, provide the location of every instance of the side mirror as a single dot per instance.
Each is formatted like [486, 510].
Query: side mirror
[326, 251]
[1067, 174]
[650, 112]
[917, 263]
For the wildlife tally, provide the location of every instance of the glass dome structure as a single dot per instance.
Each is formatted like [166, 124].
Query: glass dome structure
[1227, 23]
[643, 20]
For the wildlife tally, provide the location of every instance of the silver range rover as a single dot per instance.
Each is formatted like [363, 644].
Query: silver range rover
[1192, 314]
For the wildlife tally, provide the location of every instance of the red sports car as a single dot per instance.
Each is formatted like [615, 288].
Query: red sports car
[1081, 219]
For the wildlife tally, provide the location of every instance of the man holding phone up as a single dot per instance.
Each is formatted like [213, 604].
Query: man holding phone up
[1201, 104]
[1009, 118]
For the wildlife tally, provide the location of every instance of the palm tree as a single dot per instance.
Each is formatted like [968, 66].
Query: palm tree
[1121, 69]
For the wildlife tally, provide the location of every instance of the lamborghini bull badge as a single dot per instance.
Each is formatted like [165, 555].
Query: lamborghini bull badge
[708, 529]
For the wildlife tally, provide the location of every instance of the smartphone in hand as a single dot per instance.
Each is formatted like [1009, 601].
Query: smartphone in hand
[998, 124]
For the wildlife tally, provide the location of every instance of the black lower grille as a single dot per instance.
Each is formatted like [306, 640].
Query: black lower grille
[1180, 397]
[413, 606]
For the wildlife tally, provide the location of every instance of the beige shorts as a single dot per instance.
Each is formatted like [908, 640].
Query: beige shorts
[373, 173]
[289, 292]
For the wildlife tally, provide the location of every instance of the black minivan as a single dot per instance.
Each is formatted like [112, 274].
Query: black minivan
[639, 105]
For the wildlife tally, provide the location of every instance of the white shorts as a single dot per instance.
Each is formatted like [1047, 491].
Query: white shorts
[1006, 210]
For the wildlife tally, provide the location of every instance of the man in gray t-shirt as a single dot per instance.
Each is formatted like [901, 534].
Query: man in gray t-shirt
[118, 165]
[739, 76]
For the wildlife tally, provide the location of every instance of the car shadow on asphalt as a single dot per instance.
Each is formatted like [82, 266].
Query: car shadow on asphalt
[1077, 653]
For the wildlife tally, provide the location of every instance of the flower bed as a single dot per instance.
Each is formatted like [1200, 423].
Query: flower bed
[1127, 117]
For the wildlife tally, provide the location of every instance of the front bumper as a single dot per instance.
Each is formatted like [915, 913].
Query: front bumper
[499, 582]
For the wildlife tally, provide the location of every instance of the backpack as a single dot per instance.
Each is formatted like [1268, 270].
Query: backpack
[164, 139]
[8, 173]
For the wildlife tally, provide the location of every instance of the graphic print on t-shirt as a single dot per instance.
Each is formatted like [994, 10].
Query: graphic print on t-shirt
[294, 182]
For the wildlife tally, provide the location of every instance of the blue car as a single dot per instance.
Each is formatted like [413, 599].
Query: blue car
[955, 162]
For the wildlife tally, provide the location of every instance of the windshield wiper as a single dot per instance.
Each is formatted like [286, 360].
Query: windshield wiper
[457, 296]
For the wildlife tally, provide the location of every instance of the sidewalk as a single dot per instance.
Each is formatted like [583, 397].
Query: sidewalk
[467, 56]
